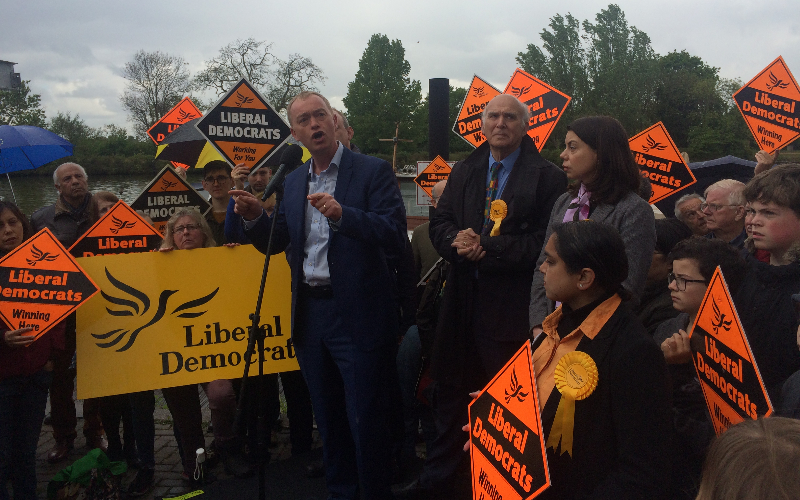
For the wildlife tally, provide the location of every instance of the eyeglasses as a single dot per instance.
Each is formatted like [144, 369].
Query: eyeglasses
[187, 227]
[680, 283]
[219, 178]
[713, 207]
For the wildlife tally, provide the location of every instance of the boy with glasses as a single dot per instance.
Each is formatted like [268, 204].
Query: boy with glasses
[217, 181]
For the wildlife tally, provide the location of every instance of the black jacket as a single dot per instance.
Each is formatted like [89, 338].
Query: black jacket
[495, 303]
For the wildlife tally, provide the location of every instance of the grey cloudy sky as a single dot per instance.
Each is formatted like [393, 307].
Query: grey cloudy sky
[73, 51]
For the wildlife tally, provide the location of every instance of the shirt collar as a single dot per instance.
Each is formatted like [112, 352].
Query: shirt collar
[335, 161]
[593, 323]
[508, 161]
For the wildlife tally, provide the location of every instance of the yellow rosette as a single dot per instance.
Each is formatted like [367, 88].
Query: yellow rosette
[576, 378]
[497, 212]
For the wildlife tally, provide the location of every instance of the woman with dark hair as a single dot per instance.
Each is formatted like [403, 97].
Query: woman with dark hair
[617, 413]
[25, 375]
[605, 185]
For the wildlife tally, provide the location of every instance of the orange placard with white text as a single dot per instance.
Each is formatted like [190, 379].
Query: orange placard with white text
[469, 122]
[183, 112]
[545, 103]
[660, 161]
[507, 447]
[769, 105]
[729, 376]
[41, 284]
[120, 230]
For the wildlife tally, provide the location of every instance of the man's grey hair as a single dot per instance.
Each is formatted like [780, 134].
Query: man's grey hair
[345, 123]
[683, 199]
[735, 190]
[524, 112]
[55, 172]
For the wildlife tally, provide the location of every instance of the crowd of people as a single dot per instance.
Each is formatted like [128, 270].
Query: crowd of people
[394, 337]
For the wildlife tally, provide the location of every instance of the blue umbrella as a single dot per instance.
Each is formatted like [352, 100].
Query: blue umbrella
[25, 147]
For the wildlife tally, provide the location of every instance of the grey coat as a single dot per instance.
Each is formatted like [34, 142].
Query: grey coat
[633, 217]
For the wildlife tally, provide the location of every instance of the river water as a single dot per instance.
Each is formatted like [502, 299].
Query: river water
[33, 193]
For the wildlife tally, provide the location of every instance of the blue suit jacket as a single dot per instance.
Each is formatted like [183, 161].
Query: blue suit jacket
[372, 231]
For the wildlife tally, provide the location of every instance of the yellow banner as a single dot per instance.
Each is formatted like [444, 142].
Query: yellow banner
[165, 319]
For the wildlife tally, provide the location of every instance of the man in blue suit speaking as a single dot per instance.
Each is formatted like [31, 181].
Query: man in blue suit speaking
[344, 218]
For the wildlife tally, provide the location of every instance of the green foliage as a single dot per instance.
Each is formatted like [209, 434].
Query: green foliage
[610, 68]
[382, 95]
[20, 107]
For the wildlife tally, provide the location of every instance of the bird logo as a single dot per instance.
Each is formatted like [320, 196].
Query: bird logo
[653, 145]
[120, 224]
[241, 99]
[39, 256]
[520, 91]
[438, 168]
[515, 390]
[138, 305]
[184, 116]
[719, 318]
[776, 83]
[478, 91]
[167, 184]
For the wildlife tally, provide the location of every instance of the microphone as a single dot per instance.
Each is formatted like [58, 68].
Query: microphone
[291, 158]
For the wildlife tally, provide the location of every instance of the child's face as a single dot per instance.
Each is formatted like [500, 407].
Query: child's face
[689, 299]
[775, 228]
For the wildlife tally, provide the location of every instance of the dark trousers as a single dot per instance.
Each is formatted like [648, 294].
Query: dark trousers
[348, 392]
[62, 406]
[143, 405]
[298, 409]
[113, 411]
[22, 403]
[184, 405]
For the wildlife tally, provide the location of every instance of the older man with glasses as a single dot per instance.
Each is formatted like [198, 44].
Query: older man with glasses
[724, 211]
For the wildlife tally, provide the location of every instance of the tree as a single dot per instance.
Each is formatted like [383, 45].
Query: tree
[156, 83]
[71, 128]
[382, 94]
[279, 80]
[20, 107]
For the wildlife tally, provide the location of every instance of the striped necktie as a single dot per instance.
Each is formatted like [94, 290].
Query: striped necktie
[491, 192]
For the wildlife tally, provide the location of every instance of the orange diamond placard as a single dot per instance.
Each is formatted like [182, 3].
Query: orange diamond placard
[546, 104]
[183, 112]
[468, 124]
[40, 284]
[507, 447]
[769, 105]
[431, 172]
[120, 230]
[243, 126]
[165, 194]
[660, 161]
[728, 373]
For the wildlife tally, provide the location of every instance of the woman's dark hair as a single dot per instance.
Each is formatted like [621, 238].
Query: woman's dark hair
[26, 227]
[616, 171]
[669, 232]
[597, 246]
[710, 253]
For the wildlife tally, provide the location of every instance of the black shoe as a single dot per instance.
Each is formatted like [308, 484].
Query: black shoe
[412, 491]
[142, 483]
[235, 464]
[315, 469]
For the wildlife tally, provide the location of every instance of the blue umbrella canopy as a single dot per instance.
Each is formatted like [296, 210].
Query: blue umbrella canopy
[25, 147]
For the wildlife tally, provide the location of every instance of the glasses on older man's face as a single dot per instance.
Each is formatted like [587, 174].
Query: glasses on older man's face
[187, 227]
[217, 179]
[680, 283]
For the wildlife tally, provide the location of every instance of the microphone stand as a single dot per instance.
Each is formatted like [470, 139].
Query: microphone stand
[257, 334]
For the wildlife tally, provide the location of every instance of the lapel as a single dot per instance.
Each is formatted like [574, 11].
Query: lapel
[601, 212]
[344, 176]
[597, 348]
[294, 199]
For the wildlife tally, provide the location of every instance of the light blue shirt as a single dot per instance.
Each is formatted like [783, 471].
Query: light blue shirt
[318, 232]
[503, 172]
